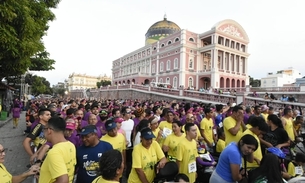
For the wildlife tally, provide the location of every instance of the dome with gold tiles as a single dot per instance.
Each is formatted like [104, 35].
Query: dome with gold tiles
[160, 30]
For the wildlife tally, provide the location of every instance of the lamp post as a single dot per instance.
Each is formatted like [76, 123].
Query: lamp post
[22, 86]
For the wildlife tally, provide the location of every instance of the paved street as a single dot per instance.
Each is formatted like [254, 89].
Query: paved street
[16, 158]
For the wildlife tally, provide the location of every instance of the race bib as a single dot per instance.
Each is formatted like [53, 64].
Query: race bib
[215, 132]
[192, 167]
[167, 132]
[298, 170]
[220, 125]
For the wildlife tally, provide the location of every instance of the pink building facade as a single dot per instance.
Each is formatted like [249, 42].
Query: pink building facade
[217, 58]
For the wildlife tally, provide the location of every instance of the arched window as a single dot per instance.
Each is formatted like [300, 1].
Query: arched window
[175, 82]
[191, 64]
[177, 39]
[168, 65]
[155, 48]
[153, 68]
[162, 45]
[191, 39]
[160, 80]
[169, 42]
[168, 80]
[190, 82]
[176, 63]
[161, 66]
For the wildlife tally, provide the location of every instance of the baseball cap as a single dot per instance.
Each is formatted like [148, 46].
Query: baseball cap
[70, 126]
[88, 129]
[64, 106]
[276, 151]
[110, 124]
[264, 107]
[118, 120]
[147, 134]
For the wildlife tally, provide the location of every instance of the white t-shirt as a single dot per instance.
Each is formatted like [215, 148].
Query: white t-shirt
[127, 126]
[137, 140]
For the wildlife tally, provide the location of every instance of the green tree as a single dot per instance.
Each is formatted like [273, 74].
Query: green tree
[39, 85]
[23, 24]
[254, 82]
[103, 83]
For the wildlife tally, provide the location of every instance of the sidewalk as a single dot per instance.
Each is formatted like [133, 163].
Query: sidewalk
[16, 158]
[8, 119]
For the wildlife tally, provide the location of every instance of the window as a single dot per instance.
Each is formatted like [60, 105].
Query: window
[162, 45]
[153, 69]
[175, 82]
[177, 39]
[168, 80]
[155, 48]
[176, 63]
[191, 64]
[191, 39]
[168, 65]
[169, 42]
[161, 80]
[161, 67]
[191, 82]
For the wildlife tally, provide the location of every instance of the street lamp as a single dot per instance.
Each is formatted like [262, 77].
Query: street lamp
[22, 86]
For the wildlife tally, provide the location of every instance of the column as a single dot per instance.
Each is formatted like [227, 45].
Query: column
[223, 60]
[212, 59]
[215, 59]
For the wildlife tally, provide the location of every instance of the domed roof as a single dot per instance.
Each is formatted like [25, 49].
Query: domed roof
[160, 30]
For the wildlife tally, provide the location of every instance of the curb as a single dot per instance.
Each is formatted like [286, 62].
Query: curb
[5, 122]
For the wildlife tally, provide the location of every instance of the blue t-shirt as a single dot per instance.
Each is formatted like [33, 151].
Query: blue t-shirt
[230, 155]
[88, 161]
[218, 119]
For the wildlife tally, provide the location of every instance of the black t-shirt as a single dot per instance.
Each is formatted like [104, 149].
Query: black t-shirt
[277, 136]
[37, 135]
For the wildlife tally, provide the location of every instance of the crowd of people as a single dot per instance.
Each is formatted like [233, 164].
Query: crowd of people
[133, 140]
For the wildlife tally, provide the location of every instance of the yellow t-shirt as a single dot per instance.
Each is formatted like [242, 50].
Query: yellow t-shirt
[118, 142]
[258, 153]
[198, 132]
[292, 170]
[207, 126]
[220, 146]
[265, 116]
[100, 179]
[60, 160]
[5, 176]
[167, 130]
[145, 159]
[289, 128]
[165, 124]
[187, 154]
[172, 142]
[229, 123]
[156, 132]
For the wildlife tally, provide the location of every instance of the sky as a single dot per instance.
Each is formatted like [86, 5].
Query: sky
[88, 35]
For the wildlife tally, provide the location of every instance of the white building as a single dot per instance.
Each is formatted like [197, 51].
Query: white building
[281, 78]
[83, 81]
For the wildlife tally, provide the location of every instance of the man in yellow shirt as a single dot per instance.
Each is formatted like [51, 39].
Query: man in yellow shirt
[206, 129]
[117, 140]
[187, 153]
[258, 127]
[288, 124]
[60, 161]
[234, 125]
[190, 118]
[265, 112]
